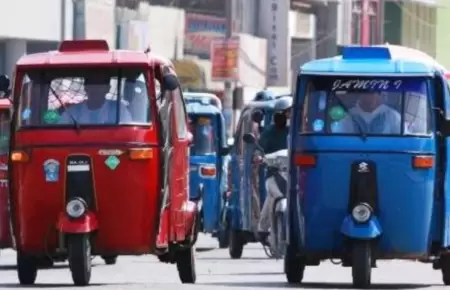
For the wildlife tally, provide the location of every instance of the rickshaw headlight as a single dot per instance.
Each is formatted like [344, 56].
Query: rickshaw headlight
[361, 213]
[76, 208]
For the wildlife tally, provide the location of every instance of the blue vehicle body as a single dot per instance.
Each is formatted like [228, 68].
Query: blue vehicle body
[209, 188]
[410, 204]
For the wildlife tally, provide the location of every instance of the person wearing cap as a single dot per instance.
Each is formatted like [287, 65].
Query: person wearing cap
[274, 138]
[370, 116]
[96, 109]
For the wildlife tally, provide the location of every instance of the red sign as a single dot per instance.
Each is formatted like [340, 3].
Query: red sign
[225, 59]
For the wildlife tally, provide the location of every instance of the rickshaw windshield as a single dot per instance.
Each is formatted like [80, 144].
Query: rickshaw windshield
[83, 96]
[366, 106]
[205, 134]
[4, 130]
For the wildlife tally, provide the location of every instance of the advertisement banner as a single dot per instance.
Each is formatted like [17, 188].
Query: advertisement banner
[225, 59]
[274, 26]
[200, 31]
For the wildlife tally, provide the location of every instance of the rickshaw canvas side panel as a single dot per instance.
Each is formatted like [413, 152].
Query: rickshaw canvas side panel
[405, 195]
[236, 187]
[446, 206]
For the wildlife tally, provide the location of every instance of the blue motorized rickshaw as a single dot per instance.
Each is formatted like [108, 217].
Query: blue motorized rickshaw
[248, 175]
[208, 162]
[369, 163]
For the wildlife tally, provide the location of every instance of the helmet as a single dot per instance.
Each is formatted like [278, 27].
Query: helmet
[263, 96]
[283, 104]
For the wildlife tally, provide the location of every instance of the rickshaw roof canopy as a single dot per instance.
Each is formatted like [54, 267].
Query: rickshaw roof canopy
[203, 98]
[88, 53]
[374, 60]
[202, 109]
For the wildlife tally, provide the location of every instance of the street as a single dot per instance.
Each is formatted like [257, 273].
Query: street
[215, 270]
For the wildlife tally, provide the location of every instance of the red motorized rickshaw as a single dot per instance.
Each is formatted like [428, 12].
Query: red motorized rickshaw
[93, 144]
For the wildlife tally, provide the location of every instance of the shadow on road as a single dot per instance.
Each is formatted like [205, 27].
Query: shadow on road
[270, 284]
[14, 267]
[229, 259]
[48, 285]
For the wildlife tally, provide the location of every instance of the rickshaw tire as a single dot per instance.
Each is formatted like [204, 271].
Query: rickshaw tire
[185, 259]
[224, 236]
[80, 259]
[110, 260]
[361, 264]
[294, 268]
[27, 268]
[236, 246]
[445, 268]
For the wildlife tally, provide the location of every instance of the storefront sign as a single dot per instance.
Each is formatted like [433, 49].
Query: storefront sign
[200, 31]
[225, 59]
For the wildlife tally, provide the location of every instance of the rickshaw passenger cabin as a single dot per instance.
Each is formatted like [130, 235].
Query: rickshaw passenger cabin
[86, 118]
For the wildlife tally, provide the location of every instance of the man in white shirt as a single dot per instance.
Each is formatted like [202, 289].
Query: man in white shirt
[370, 116]
[96, 109]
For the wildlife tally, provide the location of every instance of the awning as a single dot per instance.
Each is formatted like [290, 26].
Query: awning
[191, 75]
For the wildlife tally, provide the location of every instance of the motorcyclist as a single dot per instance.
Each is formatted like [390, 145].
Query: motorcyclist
[272, 140]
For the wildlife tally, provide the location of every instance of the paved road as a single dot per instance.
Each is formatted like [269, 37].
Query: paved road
[216, 271]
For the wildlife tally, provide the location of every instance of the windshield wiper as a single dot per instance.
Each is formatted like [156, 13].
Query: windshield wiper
[75, 122]
[362, 134]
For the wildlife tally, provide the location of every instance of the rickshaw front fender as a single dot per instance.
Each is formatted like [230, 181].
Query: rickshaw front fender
[191, 215]
[82, 225]
[362, 231]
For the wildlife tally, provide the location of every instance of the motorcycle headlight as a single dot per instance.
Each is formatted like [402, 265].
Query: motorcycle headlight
[76, 208]
[361, 213]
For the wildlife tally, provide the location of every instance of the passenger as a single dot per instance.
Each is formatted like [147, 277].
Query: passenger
[274, 138]
[96, 109]
[370, 116]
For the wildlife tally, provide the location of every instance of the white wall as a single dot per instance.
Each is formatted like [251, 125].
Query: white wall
[252, 61]
[100, 20]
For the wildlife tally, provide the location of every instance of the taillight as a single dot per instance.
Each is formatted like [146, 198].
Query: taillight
[423, 162]
[305, 160]
[19, 156]
[140, 153]
[208, 171]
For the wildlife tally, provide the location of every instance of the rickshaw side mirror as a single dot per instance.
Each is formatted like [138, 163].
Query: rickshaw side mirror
[4, 86]
[170, 82]
[249, 138]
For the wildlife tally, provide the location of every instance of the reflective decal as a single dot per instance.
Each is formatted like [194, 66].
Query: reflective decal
[51, 170]
[26, 114]
[51, 117]
[336, 113]
[318, 125]
[112, 162]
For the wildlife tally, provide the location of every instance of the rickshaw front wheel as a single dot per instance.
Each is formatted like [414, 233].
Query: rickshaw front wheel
[27, 267]
[361, 264]
[185, 259]
[294, 267]
[79, 246]
[445, 268]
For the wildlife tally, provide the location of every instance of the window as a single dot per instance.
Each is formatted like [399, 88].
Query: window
[4, 130]
[204, 129]
[180, 114]
[368, 106]
[61, 97]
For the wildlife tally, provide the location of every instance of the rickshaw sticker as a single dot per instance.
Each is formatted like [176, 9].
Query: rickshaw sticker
[336, 113]
[112, 162]
[318, 125]
[334, 127]
[51, 117]
[26, 114]
[51, 170]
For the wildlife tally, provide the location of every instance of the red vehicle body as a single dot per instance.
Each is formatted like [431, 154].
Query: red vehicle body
[127, 207]
[5, 233]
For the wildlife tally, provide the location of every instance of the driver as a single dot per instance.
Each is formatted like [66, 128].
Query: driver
[371, 116]
[274, 139]
[96, 109]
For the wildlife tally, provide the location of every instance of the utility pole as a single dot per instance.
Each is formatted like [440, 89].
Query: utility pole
[228, 85]
[365, 22]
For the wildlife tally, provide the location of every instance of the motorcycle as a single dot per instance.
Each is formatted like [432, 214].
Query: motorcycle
[273, 214]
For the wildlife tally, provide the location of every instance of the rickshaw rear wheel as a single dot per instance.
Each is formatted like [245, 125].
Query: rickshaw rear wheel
[186, 265]
[27, 268]
[361, 264]
[79, 246]
[294, 268]
[445, 268]
[236, 246]
[110, 260]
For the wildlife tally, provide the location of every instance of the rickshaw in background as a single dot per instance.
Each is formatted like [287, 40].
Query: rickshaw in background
[247, 175]
[5, 117]
[98, 162]
[369, 163]
[208, 163]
